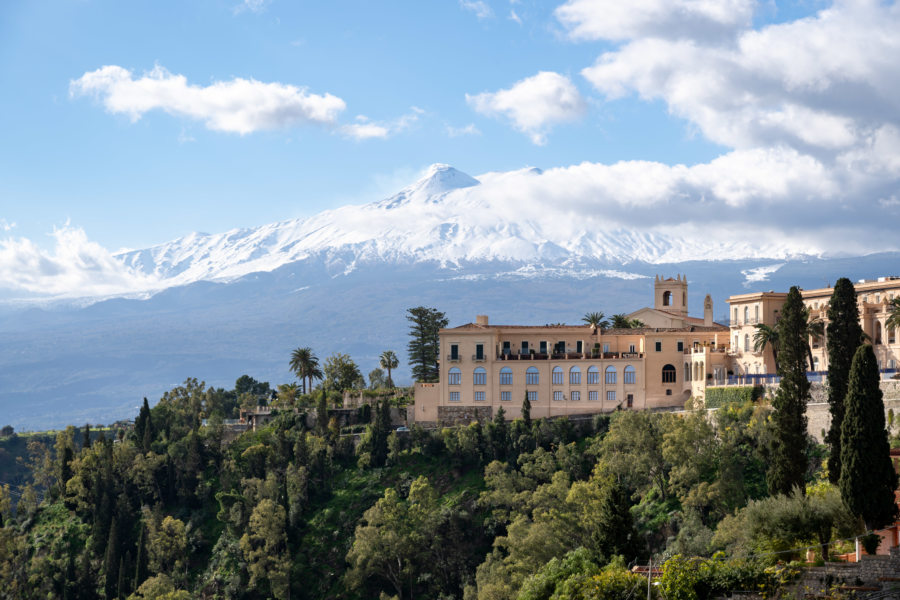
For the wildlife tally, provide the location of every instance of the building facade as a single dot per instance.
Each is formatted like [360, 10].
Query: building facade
[577, 369]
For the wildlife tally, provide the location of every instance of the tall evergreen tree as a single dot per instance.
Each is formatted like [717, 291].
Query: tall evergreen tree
[111, 561]
[86, 436]
[140, 563]
[867, 478]
[843, 337]
[526, 412]
[788, 465]
[322, 412]
[424, 344]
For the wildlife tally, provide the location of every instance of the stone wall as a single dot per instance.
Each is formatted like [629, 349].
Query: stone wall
[819, 417]
[463, 415]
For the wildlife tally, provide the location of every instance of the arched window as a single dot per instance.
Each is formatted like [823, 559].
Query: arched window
[877, 332]
[610, 376]
[532, 377]
[667, 298]
[668, 374]
[557, 378]
[505, 376]
[454, 377]
[687, 371]
[891, 336]
[575, 376]
[479, 376]
[629, 375]
[593, 375]
[746, 342]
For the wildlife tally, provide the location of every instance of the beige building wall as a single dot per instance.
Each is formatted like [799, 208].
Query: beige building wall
[746, 311]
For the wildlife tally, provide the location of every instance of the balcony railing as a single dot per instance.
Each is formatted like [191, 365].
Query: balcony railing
[571, 356]
[453, 358]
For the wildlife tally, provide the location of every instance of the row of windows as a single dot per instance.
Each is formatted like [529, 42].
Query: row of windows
[532, 376]
[574, 396]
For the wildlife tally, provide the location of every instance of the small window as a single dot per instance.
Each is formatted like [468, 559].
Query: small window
[454, 396]
[543, 347]
[479, 351]
[659, 345]
[757, 310]
[667, 298]
[605, 348]
[506, 377]
[557, 377]
[631, 348]
[592, 396]
[454, 377]
[593, 375]
[575, 396]
[532, 377]
[668, 374]
[735, 317]
[524, 348]
[630, 400]
[611, 396]
[454, 351]
[668, 392]
[746, 314]
[574, 376]
[532, 397]
[629, 374]
[746, 342]
[557, 396]
[479, 396]
[506, 348]
[505, 396]
[479, 377]
[610, 374]
[680, 345]
[579, 346]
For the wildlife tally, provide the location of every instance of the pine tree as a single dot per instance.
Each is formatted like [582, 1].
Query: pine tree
[111, 561]
[788, 465]
[424, 345]
[867, 478]
[322, 412]
[526, 412]
[86, 436]
[140, 563]
[844, 336]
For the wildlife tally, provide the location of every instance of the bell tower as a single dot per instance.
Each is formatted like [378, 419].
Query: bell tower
[670, 295]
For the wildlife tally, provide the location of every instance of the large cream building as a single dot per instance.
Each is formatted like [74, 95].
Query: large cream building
[748, 310]
[574, 369]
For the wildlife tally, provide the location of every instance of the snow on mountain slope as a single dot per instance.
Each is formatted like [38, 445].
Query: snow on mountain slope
[447, 217]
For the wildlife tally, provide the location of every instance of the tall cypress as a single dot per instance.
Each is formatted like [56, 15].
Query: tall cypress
[86, 436]
[111, 561]
[867, 478]
[140, 563]
[788, 464]
[526, 412]
[322, 412]
[843, 337]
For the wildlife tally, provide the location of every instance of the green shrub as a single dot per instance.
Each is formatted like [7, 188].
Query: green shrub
[720, 396]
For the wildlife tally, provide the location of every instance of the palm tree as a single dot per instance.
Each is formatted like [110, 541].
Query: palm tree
[766, 336]
[620, 321]
[287, 394]
[815, 328]
[893, 321]
[596, 320]
[389, 361]
[305, 365]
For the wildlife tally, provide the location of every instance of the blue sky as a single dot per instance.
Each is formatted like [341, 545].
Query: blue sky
[364, 95]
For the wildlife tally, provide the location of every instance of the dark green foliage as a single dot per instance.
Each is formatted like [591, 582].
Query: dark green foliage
[788, 458]
[844, 335]
[322, 412]
[526, 412]
[867, 478]
[717, 397]
[424, 343]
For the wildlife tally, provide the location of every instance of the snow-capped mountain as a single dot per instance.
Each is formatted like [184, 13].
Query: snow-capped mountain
[446, 217]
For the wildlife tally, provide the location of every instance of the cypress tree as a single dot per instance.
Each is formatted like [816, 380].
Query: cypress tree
[86, 436]
[867, 478]
[788, 465]
[111, 561]
[526, 412]
[322, 412]
[140, 563]
[844, 336]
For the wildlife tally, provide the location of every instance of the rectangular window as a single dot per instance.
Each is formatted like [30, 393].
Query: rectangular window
[453, 378]
[479, 351]
[631, 349]
[735, 317]
[611, 396]
[505, 396]
[629, 375]
[593, 377]
[531, 378]
[575, 396]
[454, 396]
[505, 377]
[659, 345]
[479, 378]
[605, 348]
[579, 346]
[557, 396]
[592, 396]
[610, 376]
[506, 348]
[543, 347]
[524, 348]
[557, 377]
[575, 377]
[681, 345]
[630, 399]
[479, 396]
[454, 352]
[532, 397]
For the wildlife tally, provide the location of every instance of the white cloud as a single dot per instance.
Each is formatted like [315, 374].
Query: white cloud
[75, 267]
[617, 20]
[365, 129]
[514, 17]
[479, 7]
[6, 225]
[256, 6]
[533, 105]
[238, 106]
[469, 129]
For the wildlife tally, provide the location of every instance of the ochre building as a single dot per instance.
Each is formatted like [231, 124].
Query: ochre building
[577, 369]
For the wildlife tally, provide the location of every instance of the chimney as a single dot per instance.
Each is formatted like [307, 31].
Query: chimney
[481, 320]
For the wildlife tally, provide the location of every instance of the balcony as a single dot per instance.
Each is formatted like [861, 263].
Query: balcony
[476, 358]
[571, 356]
[453, 358]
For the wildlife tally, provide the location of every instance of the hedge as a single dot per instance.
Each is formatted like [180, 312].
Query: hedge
[720, 396]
